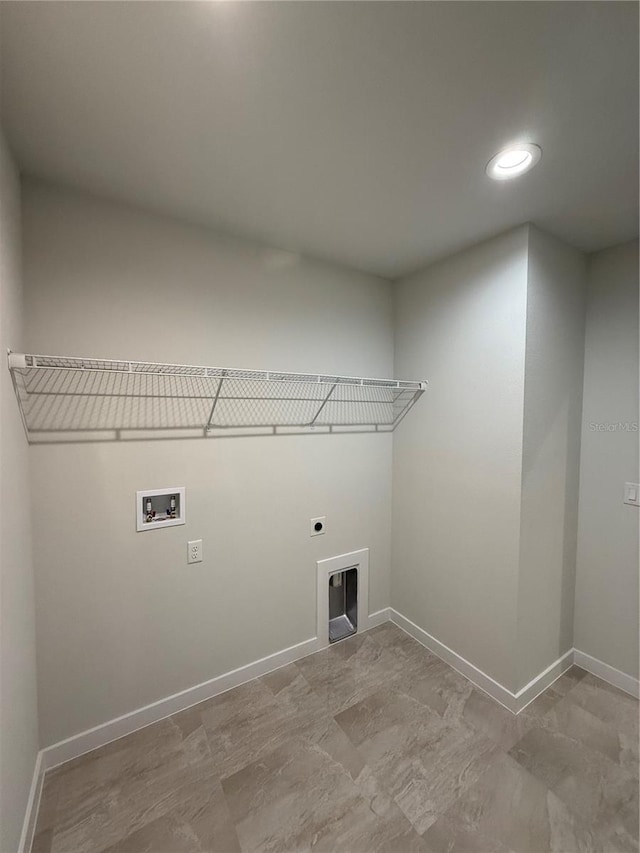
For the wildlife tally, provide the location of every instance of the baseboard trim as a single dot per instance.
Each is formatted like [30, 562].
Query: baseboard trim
[77, 745]
[544, 679]
[607, 673]
[516, 702]
[33, 804]
[98, 736]
[378, 618]
[489, 685]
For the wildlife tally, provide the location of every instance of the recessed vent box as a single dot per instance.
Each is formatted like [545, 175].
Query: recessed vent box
[343, 604]
[157, 508]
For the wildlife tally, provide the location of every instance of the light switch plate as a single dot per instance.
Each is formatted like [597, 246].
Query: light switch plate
[632, 494]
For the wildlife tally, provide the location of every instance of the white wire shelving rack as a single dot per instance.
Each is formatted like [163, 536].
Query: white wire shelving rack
[64, 399]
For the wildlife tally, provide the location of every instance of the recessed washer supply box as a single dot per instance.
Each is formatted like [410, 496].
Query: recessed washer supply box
[156, 508]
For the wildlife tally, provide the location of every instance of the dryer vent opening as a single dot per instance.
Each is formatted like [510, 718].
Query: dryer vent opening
[343, 604]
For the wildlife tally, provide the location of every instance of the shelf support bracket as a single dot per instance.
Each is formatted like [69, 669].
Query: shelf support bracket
[323, 404]
[215, 400]
[410, 405]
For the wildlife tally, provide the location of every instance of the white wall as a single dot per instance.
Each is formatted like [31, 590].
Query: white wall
[606, 613]
[458, 456]
[485, 469]
[122, 620]
[551, 452]
[18, 701]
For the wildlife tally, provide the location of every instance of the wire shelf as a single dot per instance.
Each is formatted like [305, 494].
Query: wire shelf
[78, 396]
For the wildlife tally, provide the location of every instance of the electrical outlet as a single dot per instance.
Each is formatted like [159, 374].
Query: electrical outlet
[194, 553]
[318, 526]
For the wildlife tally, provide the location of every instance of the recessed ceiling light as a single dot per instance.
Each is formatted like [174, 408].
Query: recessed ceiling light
[513, 161]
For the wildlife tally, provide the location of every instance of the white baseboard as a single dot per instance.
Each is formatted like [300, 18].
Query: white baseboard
[607, 673]
[77, 745]
[489, 685]
[519, 700]
[33, 803]
[543, 680]
[514, 702]
[378, 618]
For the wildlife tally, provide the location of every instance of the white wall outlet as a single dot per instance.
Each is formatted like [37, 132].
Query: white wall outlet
[632, 494]
[318, 526]
[194, 552]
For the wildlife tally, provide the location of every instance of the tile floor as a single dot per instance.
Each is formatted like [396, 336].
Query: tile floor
[371, 745]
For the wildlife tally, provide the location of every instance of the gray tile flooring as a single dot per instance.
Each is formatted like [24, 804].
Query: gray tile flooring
[371, 745]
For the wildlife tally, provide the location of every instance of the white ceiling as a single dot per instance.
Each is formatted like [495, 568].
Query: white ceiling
[356, 132]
